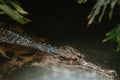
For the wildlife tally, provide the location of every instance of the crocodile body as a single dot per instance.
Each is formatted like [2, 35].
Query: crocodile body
[66, 55]
[20, 38]
[17, 36]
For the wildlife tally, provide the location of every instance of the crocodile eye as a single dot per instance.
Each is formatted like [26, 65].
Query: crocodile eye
[80, 55]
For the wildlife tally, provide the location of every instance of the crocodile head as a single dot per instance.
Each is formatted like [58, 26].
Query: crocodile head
[73, 57]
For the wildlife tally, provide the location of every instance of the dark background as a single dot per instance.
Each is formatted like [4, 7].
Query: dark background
[59, 18]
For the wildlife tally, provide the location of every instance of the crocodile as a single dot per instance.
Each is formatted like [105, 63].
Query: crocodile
[26, 47]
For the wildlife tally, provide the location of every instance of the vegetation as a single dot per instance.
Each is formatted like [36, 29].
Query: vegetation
[14, 10]
[99, 9]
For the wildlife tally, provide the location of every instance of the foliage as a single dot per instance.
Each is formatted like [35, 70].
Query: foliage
[99, 8]
[114, 34]
[101, 5]
[13, 9]
[81, 1]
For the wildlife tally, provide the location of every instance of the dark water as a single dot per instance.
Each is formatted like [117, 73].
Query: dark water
[63, 22]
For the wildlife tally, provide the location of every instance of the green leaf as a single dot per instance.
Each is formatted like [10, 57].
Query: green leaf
[13, 14]
[118, 47]
[109, 37]
[112, 5]
[110, 14]
[18, 8]
[81, 1]
[115, 30]
[114, 34]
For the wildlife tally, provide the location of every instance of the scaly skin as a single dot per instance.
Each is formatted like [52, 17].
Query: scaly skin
[15, 40]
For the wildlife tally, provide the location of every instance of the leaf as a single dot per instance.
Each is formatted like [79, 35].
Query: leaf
[18, 8]
[109, 37]
[118, 47]
[13, 9]
[13, 14]
[115, 30]
[81, 1]
[114, 34]
[112, 5]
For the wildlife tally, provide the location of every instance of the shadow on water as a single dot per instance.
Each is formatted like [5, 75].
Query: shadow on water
[64, 22]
